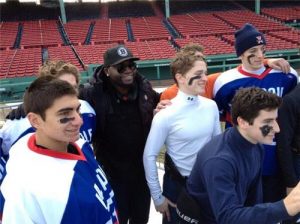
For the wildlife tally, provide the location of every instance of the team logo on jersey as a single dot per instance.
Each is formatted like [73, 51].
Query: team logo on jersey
[122, 52]
[259, 40]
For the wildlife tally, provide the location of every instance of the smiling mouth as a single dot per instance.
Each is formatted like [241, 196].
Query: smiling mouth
[73, 131]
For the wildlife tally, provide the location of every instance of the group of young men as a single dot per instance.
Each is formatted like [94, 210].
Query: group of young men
[57, 177]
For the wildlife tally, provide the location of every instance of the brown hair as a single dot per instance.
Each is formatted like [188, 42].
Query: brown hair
[191, 48]
[248, 102]
[182, 63]
[58, 68]
[43, 91]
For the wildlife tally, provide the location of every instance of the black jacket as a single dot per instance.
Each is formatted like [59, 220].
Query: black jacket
[100, 95]
[288, 140]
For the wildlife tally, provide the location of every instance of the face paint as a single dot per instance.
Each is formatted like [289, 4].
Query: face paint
[265, 130]
[66, 120]
[192, 79]
[249, 57]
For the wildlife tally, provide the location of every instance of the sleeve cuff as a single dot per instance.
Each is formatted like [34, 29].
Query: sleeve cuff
[159, 200]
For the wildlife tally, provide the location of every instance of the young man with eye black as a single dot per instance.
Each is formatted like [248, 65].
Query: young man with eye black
[225, 185]
[52, 175]
[15, 129]
[184, 127]
[250, 47]
[124, 102]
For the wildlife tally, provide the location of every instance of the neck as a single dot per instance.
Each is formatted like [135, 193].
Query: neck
[51, 144]
[253, 70]
[187, 92]
[122, 90]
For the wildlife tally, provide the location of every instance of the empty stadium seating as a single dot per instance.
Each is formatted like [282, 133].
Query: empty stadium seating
[109, 30]
[64, 53]
[20, 62]
[77, 30]
[8, 33]
[146, 28]
[211, 25]
[283, 14]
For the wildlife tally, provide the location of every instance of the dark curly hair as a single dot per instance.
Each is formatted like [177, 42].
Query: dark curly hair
[248, 102]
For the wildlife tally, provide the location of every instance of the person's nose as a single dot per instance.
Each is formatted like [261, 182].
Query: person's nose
[260, 53]
[276, 127]
[78, 119]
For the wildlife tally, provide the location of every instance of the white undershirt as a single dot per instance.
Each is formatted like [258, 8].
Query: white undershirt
[184, 127]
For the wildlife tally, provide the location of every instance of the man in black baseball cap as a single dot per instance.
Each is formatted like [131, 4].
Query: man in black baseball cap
[124, 102]
[119, 65]
[117, 55]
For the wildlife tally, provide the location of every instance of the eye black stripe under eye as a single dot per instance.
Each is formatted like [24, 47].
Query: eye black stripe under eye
[66, 120]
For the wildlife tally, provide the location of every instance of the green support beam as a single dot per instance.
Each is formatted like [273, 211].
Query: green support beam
[167, 7]
[257, 7]
[62, 11]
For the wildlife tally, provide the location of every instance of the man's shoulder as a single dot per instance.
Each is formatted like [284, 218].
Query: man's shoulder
[169, 93]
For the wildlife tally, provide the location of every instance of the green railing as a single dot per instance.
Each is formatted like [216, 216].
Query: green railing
[12, 89]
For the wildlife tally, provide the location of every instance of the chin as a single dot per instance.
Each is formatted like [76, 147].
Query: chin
[268, 141]
[126, 84]
[74, 138]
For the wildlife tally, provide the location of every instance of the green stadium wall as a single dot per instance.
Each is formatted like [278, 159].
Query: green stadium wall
[13, 89]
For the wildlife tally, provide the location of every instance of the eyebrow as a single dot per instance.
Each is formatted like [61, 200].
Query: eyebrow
[67, 109]
[268, 119]
[200, 71]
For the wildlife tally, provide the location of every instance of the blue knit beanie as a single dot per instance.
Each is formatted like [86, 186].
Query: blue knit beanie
[246, 37]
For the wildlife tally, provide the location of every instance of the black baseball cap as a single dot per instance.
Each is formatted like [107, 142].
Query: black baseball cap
[118, 54]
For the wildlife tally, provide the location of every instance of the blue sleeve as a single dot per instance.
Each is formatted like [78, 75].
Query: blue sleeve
[227, 204]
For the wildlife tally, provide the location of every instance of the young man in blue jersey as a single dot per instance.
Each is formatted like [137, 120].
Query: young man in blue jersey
[250, 47]
[184, 127]
[225, 185]
[52, 175]
[14, 129]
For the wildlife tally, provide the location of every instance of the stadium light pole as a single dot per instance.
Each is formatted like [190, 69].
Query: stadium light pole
[62, 11]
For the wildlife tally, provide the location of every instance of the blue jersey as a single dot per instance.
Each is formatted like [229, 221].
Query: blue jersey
[47, 186]
[269, 79]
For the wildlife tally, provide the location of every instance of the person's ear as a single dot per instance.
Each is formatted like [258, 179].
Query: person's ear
[179, 77]
[243, 124]
[106, 71]
[34, 119]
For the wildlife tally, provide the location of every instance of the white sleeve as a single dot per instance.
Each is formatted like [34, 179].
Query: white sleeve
[12, 130]
[156, 139]
[217, 125]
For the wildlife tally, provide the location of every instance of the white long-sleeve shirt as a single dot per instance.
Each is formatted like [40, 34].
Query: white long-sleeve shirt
[184, 127]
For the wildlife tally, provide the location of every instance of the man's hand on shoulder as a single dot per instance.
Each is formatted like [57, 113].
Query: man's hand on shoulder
[279, 64]
[162, 105]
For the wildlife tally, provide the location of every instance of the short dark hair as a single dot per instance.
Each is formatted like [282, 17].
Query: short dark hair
[43, 91]
[248, 102]
[183, 62]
